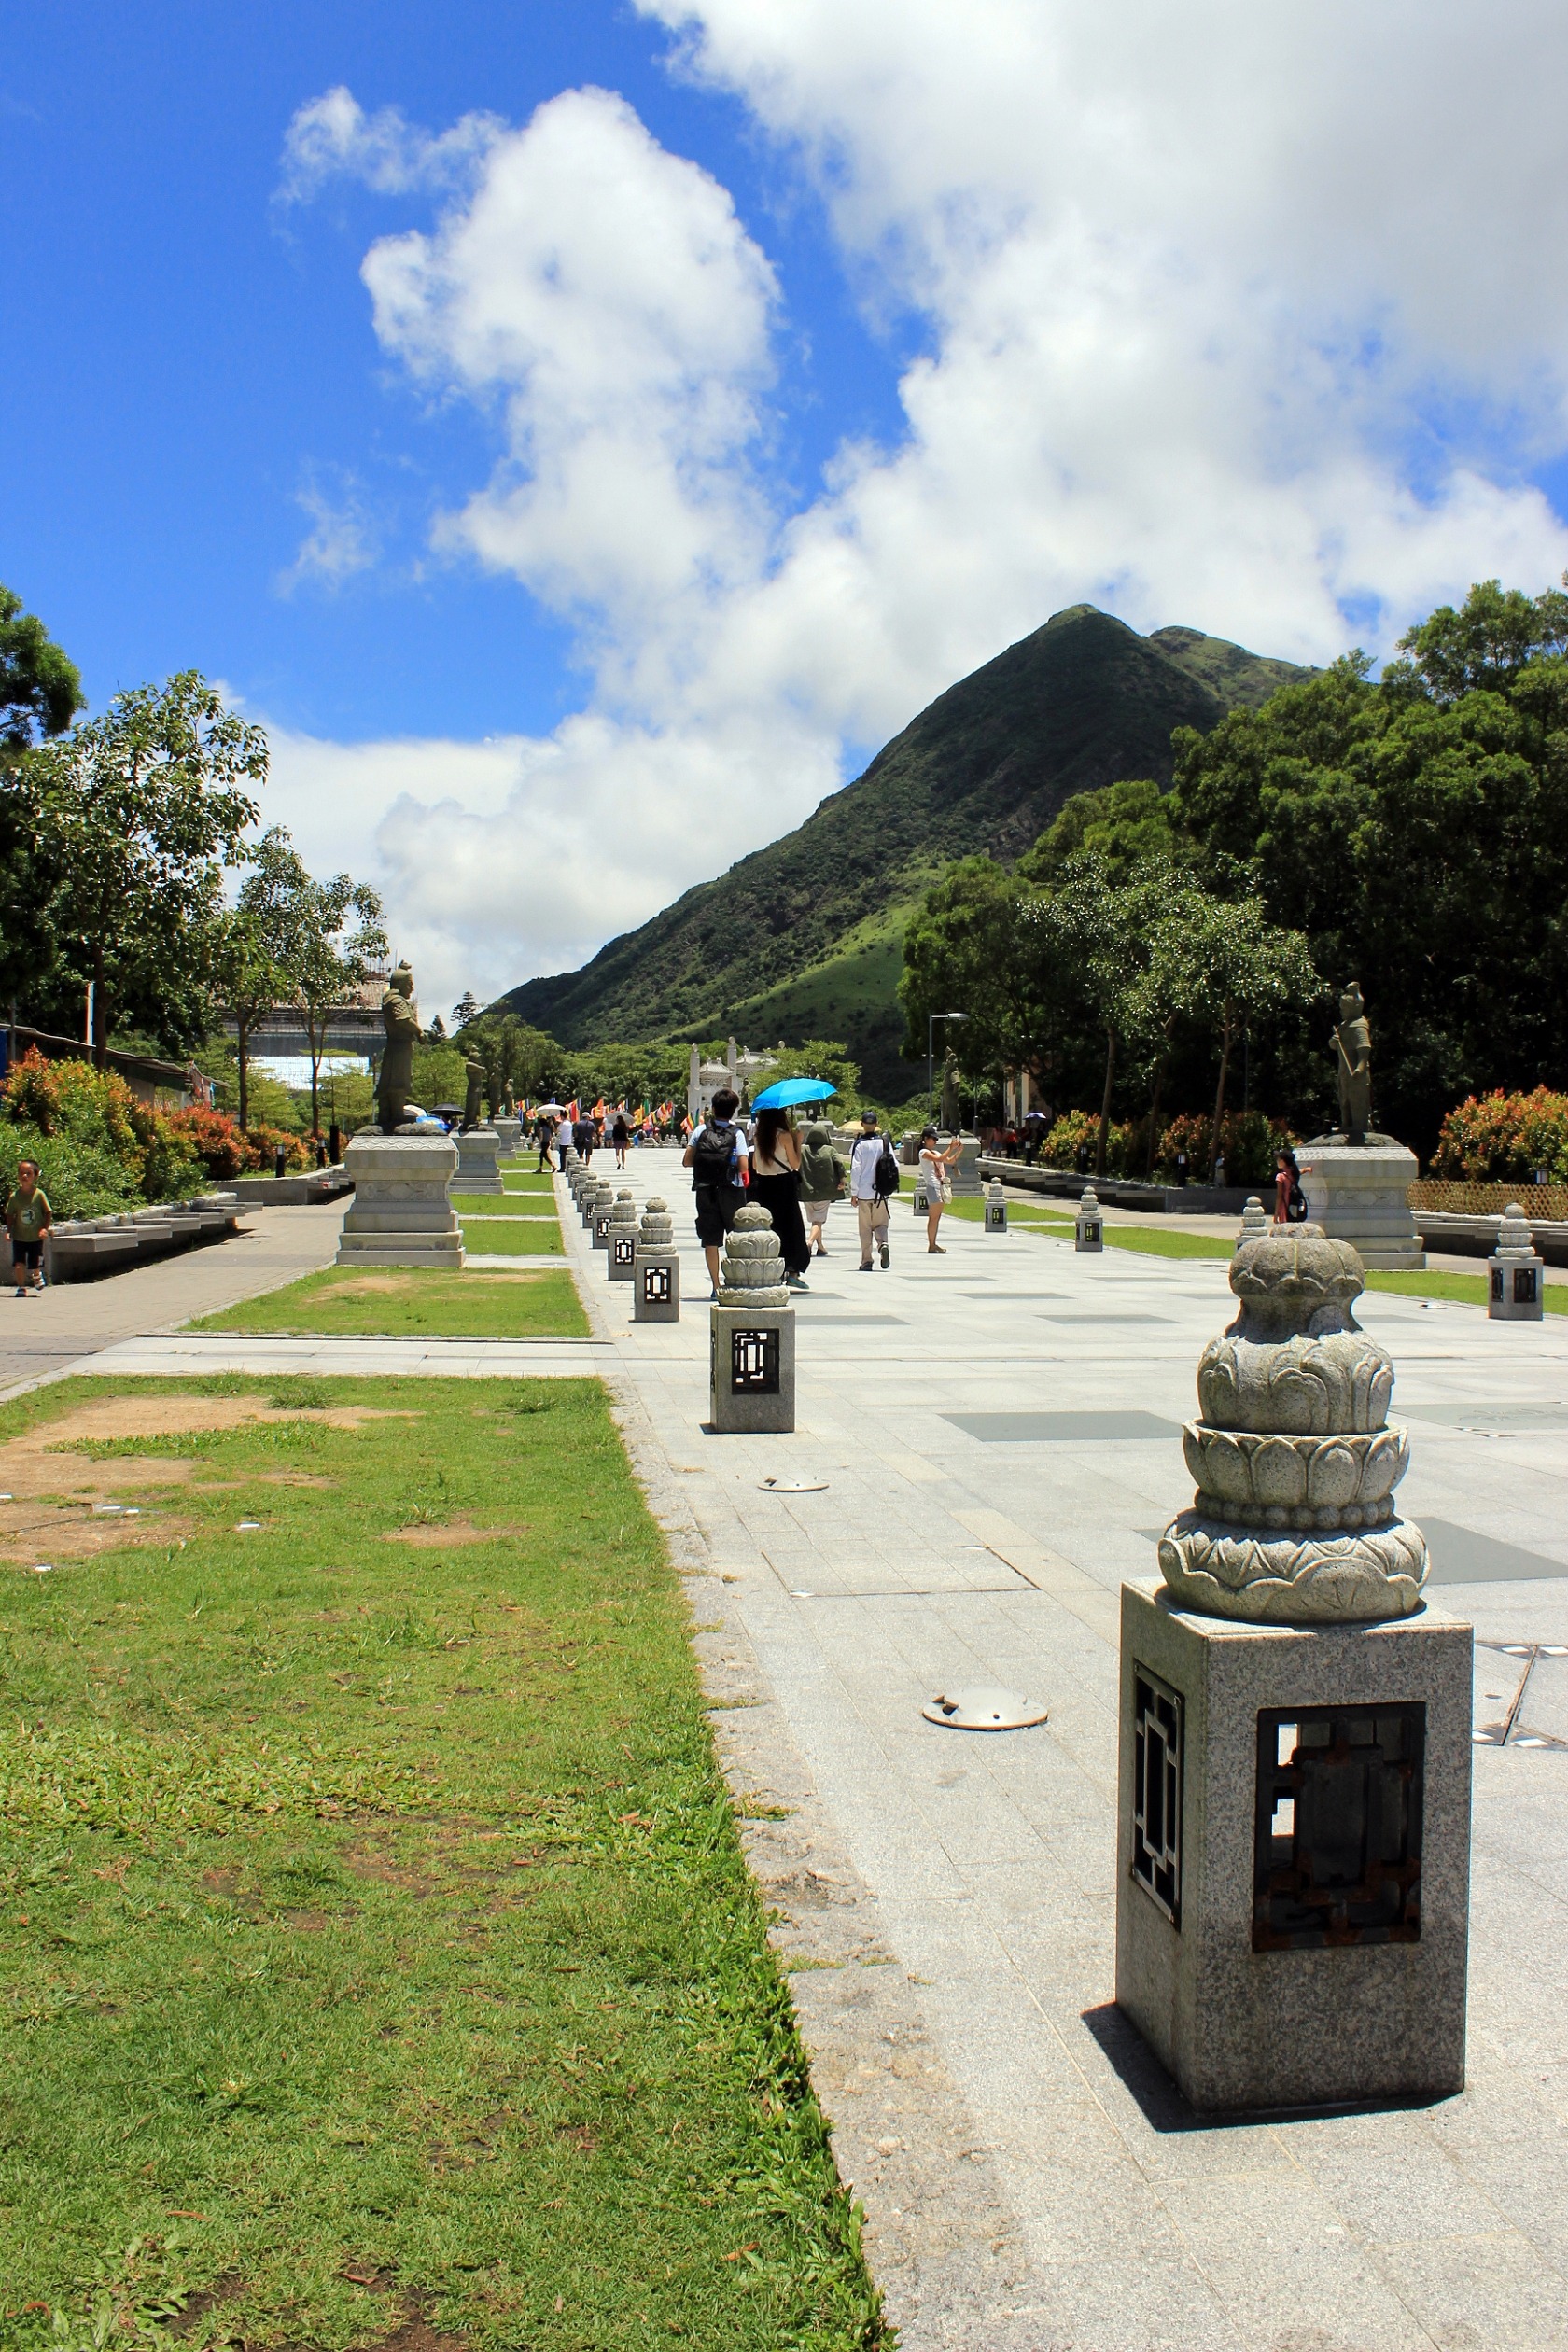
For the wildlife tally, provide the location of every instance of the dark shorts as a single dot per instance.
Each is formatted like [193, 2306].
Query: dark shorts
[29, 1254]
[718, 1206]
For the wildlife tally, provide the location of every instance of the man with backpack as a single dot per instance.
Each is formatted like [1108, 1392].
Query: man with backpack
[716, 1156]
[874, 1178]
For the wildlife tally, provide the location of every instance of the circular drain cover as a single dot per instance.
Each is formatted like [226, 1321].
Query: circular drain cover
[793, 1486]
[983, 1707]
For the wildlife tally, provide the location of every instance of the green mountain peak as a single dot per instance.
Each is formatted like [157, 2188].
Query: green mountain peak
[1082, 702]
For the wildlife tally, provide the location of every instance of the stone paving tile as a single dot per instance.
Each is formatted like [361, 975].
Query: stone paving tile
[1109, 2216]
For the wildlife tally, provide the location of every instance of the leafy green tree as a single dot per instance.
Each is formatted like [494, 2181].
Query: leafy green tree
[40, 693]
[137, 814]
[40, 686]
[248, 982]
[1124, 826]
[338, 939]
[968, 949]
[1416, 832]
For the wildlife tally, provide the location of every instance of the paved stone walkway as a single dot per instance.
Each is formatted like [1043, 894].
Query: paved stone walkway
[995, 1435]
[43, 1336]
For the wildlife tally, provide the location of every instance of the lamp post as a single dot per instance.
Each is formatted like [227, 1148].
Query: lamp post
[932, 1019]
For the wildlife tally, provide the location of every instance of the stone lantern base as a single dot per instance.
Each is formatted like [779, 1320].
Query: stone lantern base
[752, 1368]
[1359, 1193]
[656, 1274]
[1293, 1855]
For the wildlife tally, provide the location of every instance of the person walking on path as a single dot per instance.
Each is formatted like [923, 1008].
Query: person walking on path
[776, 1185]
[1290, 1201]
[868, 1190]
[934, 1165]
[620, 1134]
[716, 1156]
[28, 1219]
[821, 1182]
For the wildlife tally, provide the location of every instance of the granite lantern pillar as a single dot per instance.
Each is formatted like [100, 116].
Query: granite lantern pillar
[1293, 1830]
[752, 1343]
[656, 1297]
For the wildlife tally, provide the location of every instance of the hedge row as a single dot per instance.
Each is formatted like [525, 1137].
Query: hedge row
[100, 1149]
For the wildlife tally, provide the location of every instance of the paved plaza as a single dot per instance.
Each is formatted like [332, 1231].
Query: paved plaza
[987, 1443]
[997, 1437]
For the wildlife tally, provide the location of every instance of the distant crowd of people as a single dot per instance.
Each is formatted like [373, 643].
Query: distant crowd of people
[797, 1174]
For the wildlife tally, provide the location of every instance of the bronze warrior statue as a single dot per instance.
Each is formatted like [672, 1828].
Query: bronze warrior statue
[474, 1114]
[1352, 1048]
[401, 1015]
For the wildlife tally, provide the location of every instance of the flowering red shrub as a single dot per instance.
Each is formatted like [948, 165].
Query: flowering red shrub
[219, 1143]
[297, 1155]
[1504, 1137]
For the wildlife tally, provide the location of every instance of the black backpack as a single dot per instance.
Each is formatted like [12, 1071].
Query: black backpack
[713, 1154]
[886, 1179]
[1295, 1204]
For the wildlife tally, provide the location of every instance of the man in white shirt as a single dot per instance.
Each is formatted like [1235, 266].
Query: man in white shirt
[871, 1207]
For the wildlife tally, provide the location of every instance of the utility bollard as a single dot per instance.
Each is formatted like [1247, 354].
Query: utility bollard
[620, 1236]
[656, 1297]
[751, 1332]
[996, 1206]
[1516, 1289]
[1089, 1226]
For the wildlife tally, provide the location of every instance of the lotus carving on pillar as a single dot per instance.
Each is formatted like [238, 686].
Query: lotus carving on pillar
[1293, 1461]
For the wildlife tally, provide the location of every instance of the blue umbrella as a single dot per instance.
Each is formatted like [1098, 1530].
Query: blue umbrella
[789, 1091]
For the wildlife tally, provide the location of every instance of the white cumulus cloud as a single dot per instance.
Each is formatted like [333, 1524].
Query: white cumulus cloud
[1229, 316]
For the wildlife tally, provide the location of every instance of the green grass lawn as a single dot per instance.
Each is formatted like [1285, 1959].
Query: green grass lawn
[528, 1181]
[506, 1204]
[402, 1301]
[377, 1941]
[515, 1235]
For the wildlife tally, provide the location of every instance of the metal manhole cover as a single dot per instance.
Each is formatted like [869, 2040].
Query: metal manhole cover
[983, 1707]
[793, 1486]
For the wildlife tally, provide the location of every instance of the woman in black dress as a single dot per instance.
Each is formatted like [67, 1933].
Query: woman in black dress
[776, 1158]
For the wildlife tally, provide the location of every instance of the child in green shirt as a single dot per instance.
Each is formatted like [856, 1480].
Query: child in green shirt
[28, 1218]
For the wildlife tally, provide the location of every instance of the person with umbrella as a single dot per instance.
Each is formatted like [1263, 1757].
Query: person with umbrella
[776, 1167]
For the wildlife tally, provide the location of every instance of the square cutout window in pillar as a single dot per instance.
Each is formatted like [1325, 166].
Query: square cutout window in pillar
[655, 1285]
[1524, 1286]
[624, 1248]
[1156, 1791]
[1337, 1853]
[754, 1364]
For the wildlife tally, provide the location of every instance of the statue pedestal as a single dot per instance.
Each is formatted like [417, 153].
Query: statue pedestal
[1294, 1854]
[509, 1131]
[400, 1214]
[964, 1175]
[1359, 1192]
[478, 1152]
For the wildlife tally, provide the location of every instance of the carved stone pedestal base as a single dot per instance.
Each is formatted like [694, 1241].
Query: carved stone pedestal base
[1359, 1192]
[1293, 1855]
[478, 1153]
[400, 1214]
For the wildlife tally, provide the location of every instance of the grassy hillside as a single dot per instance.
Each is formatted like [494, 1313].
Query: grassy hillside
[818, 916]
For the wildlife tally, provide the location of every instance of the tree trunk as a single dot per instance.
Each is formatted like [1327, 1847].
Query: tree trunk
[100, 1012]
[1153, 1116]
[1220, 1090]
[241, 1044]
[315, 1053]
[1105, 1099]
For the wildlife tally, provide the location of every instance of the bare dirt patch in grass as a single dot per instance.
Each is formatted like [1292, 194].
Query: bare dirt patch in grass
[428, 1536]
[51, 1531]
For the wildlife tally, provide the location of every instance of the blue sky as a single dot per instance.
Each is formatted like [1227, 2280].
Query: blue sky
[185, 361]
[581, 433]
